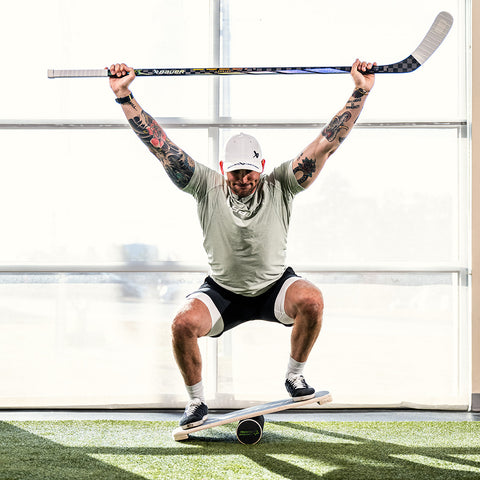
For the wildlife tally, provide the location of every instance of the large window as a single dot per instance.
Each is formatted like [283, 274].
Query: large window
[98, 248]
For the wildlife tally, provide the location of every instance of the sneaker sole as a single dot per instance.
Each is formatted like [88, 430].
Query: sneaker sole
[194, 424]
[304, 397]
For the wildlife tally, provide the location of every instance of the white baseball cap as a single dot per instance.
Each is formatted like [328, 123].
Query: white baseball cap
[243, 152]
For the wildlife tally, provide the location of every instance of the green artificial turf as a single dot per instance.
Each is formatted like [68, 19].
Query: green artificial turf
[133, 450]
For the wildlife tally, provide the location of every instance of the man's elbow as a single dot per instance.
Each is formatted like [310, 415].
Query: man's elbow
[324, 148]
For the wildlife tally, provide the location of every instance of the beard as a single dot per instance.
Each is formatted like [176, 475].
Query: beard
[242, 190]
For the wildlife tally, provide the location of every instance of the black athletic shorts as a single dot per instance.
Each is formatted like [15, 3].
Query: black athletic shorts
[229, 309]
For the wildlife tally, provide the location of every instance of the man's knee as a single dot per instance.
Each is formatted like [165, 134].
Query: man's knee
[193, 320]
[306, 302]
[311, 306]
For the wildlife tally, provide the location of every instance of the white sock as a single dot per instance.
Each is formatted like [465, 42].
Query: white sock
[294, 367]
[196, 391]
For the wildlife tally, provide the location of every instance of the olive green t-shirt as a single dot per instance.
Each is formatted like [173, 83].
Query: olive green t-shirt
[245, 238]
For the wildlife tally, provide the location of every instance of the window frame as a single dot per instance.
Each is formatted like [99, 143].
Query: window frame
[219, 120]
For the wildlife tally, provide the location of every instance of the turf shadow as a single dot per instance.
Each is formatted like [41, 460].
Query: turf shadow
[24, 455]
[290, 450]
[349, 456]
[373, 459]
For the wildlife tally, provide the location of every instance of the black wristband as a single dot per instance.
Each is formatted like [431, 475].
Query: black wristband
[126, 99]
[359, 92]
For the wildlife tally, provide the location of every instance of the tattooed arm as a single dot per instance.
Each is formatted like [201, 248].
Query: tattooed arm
[178, 165]
[310, 162]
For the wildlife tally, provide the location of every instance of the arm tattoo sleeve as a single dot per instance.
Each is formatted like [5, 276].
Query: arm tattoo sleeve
[351, 103]
[178, 165]
[337, 124]
[307, 168]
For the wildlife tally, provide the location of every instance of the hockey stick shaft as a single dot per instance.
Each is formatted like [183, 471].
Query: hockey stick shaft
[432, 40]
[169, 72]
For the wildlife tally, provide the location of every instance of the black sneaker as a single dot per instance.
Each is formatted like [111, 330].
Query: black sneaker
[196, 412]
[298, 388]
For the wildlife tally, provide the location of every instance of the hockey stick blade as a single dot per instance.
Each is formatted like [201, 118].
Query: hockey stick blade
[432, 40]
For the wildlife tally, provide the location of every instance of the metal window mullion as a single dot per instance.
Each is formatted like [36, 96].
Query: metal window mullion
[216, 120]
[176, 267]
[213, 144]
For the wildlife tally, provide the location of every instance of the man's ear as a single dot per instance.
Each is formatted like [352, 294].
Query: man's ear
[221, 167]
[263, 165]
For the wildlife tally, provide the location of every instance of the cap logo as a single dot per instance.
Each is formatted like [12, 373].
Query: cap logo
[255, 154]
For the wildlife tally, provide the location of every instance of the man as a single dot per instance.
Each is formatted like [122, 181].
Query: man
[244, 215]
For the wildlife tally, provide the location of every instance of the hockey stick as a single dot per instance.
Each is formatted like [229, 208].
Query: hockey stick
[434, 37]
